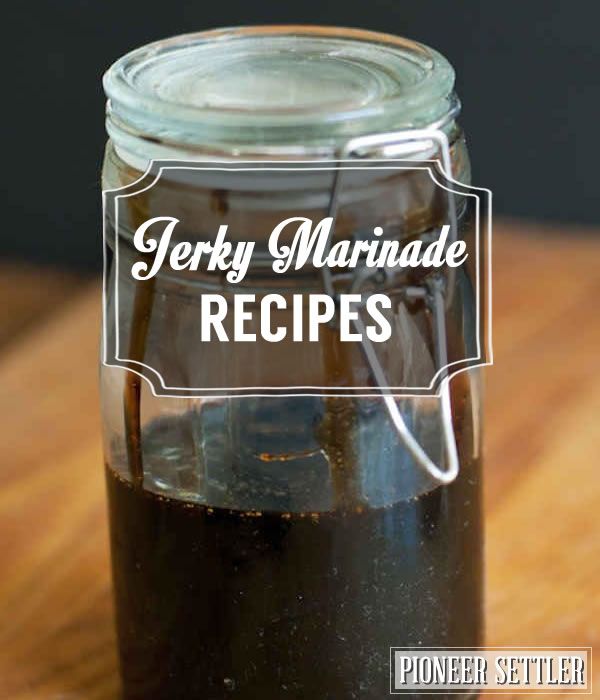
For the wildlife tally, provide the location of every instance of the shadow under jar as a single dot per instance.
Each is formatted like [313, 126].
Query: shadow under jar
[279, 546]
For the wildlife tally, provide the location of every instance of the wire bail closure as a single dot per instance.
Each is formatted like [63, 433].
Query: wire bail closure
[436, 292]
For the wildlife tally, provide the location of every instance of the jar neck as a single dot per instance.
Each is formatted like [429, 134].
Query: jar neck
[138, 150]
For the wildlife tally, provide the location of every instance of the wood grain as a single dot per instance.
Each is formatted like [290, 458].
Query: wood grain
[32, 293]
[542, 473]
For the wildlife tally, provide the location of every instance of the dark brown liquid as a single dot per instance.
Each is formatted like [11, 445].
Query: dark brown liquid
[218, 603]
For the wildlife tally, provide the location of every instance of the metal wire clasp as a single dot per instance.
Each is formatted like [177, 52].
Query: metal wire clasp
[436, 292]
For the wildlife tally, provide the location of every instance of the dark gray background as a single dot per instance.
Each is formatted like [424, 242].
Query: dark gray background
[528, 74]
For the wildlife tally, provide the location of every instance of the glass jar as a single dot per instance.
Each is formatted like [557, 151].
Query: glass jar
[278, 545]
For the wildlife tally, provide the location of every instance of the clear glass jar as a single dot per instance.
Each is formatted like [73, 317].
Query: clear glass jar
[280, 545]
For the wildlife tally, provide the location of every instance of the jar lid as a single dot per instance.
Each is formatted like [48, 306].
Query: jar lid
[290, 88]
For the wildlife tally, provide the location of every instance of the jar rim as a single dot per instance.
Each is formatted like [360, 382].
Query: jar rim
[342, 83]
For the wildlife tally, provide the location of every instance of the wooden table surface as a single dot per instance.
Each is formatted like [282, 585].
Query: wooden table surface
[542, 466]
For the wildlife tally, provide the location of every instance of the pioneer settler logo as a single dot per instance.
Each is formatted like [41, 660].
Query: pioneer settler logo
[493, 669]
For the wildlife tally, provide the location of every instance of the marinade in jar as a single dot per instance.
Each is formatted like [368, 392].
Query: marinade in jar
[218, 602]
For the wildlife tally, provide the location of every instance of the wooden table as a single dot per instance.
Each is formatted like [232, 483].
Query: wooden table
[542, 467]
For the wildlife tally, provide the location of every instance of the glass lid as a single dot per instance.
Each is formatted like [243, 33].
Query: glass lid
[279, 85]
